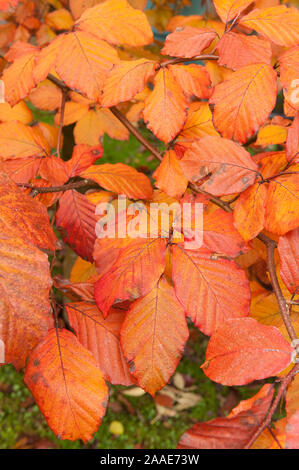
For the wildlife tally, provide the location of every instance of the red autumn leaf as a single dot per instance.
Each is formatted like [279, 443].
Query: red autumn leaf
[211, 290]
[67, 385]
[234, 431]
[232, 167]
[153, 336]
[288, 250]
[130, 277]
[76, 216]
[244, 101]
[83, 157]
[188, 41]
[102, 337]
[243, 350]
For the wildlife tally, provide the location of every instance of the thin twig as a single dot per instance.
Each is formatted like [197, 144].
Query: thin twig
[181, 60]
[122, 118]
[56, 189]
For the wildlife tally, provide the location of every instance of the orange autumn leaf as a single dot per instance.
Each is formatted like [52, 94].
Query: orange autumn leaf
[198, 124]
[188, 41]
[91, 61]
[77, 7]
[153, 336]
[242, 350]
[46, 96]
[165, 108]
[249, 211]
[292, 145]
[289, 66]
[243, 102]
[282, 204]
[229, 9]
[24, 307]
[126, 79]
[237, 50]
[120, 179]
[117, 22]
[210, 289]
[23, 216]
[288, 250]
[271, 135]
[20, 112]
[20, 141]
[278, 24]
[169, 175]
[193, 79]
[292, 427]
[93, 124]
[220, 234]
[232, 167]
[7, 5]
[102, 337]
[18, 78]
[130, 278]
[67, 385]
[233, 431]
[60, 20]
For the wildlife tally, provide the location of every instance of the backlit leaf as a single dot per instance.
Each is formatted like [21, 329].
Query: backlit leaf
[249, 211]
